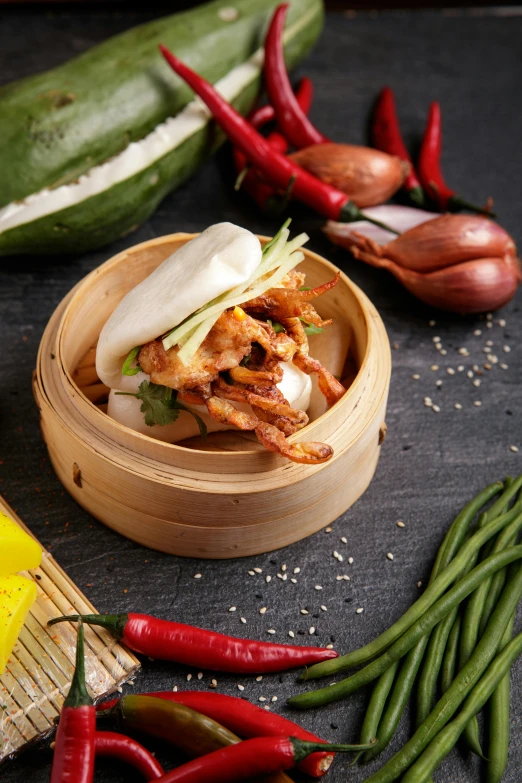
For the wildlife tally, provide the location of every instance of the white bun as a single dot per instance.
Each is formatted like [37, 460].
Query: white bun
[295, 386]
[220, 258]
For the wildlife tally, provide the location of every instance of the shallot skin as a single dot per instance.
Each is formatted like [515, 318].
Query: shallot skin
[367, 175]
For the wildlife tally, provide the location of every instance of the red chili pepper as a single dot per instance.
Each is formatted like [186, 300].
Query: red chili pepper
[429, 167]
[118, 746]
[290, 116]
[280, 171]
[386, 136]
[261, 756]
[73, 760]
[244, 719]
[182, 643]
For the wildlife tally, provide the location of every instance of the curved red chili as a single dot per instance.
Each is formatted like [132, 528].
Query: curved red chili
[118, 746]
[429, 167]
[261, 756]
[170, 641]
[280, 171]
[73, 760]
[245, 720]
[291, 118]
[387, 137]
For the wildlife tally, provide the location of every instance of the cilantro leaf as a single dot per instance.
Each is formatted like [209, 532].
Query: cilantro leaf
[277, 327]
[311, 328]
[127, 369]
[160, 405]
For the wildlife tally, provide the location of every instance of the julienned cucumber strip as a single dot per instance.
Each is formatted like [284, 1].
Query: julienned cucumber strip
[91, 113]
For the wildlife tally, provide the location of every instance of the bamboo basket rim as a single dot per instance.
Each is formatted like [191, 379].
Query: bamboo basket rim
[70, 300]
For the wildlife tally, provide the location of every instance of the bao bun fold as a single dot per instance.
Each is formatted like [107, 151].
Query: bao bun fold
[220, 258]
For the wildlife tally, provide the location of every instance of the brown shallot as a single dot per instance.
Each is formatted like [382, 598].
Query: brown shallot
[369, 176]
[463, 263]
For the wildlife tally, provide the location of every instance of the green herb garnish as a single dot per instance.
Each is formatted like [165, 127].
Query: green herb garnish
[160, 405]
[276, 326]
[127, 369]
[311, 328]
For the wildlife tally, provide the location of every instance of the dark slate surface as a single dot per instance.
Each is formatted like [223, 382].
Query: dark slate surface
[430, 464]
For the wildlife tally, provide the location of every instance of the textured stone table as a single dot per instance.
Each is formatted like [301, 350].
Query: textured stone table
[430, 463]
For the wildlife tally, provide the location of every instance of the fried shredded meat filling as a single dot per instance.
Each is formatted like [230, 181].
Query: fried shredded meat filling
[240, 361]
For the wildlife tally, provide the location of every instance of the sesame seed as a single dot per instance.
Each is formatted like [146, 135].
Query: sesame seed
[463, 352]
[490, 342]
[469, 374]
[197, 576]
[335, 553]
[175, 688]
[189, 677]
[232, 609]
[487, 366]
[304, 611]
[259, 678]
[344, 539]
[200, 675]
[294, 581]
[501, 322]
[460, 368]
[350, 560]
[329, 646]
[291, 634]
[477, 403]
[400, 523]
[489, 316]
[485, 350]
[438, 383]
[346, 577]
[240, 687]
[389, 555]
[476, 382]
[328, 530]
[436, 339]
[243, 620]
[450, 371]
[297, 570]
[416, 377]
[419, 583]
[443, 352]
[475, 367]
[506, 349]
[274, 698]
[258, 570]
[339, 577]
[489, 325]
[458, 406]
[268, 578]
[340, 558]
[492, 358]
[283, 567]
[271, 630]
[251, 573]
[311, 630]
[261, 698]
[432, 323]
[428, 402]
[263, 610]
[318, 587]
[477, 332]
[435, 409]
[434, 367]
[228, 14]
[514, 449]
[360, 610]
[323, 607]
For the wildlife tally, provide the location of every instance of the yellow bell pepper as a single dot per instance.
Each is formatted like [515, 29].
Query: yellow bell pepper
[17, 595]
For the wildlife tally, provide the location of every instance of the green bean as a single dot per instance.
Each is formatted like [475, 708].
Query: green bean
[426, 688]
[377, 701]
[463, 683]
[498, 721]
[442, 744]
[425, 623]
[449, 661]
[402, 689]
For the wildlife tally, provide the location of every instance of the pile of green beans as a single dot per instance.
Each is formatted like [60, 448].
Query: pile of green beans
[456, 639]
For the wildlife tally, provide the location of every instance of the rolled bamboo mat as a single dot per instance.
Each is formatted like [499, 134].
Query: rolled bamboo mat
[39, 671]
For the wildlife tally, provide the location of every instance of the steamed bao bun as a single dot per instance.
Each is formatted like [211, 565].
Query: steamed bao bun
[219, 259]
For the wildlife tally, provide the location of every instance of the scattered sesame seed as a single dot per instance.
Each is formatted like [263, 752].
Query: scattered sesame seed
[485, 349]
[460, 368]
[228, 14]
[340, 558]
[438, 383]
[339, 577]
[335, 553]
[350, 560]
[435, 408]
[477, 403]
[436, 339]
[503, 366]
[514, 449]
[443, 352]
[323, 607]
[489, 325]
[200, 675]
[487, 366]
[311, 630]
[346, 577]
[434, 367]
[416, 377]
[294, 581]
[251, 573]
[476, 382]
[450, 371]
[360, 610]
[489, 316]
[501, 322]
[243, 620]
[197, 576]
[274, 698]
[506, 349]
[428, 402]
[475, 367]
[318, 587]
[463, 352]
[400, 523]
[263, 610]
[328, 530]
[329, 646]
[261, 698]
[268, 578]
[259, 678]
[458, 406]
[469, 374]
[419, 583]
[232, 609]
[297, 570]
[283, 567]
[258, 570]
[492, 358]
[344, 539]
[271, 630]
[240, 687]
[477, 332]
[291, 634]
[389, 555]
[395, 346]
[432, 323]
[490, 342]
[189, 677]
[175, 688]
[304, 611]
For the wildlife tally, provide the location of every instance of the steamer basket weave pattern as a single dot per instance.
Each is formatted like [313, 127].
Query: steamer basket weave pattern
[228, 498]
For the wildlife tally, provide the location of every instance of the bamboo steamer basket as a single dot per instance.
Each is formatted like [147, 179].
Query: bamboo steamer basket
[228, 497]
